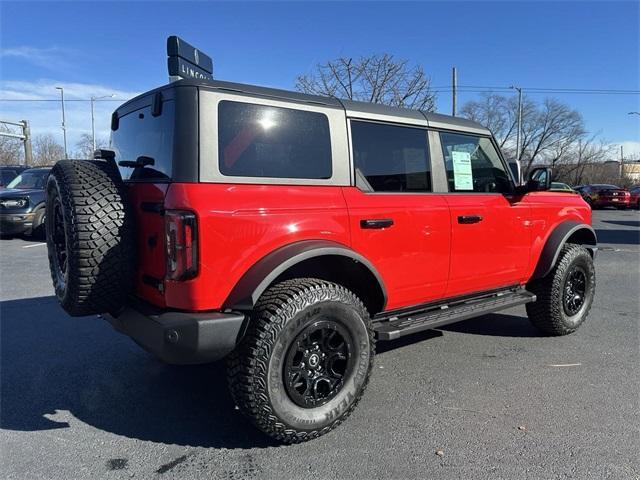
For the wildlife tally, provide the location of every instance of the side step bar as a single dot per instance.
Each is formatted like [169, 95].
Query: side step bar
[437, 316]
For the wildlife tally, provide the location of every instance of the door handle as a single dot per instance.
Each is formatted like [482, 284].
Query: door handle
[466, 219]
[376, 223]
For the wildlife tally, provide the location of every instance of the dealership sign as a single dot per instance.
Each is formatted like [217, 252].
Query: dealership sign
[186, 61]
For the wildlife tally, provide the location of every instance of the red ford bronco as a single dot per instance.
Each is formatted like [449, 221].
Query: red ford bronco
[287, 233]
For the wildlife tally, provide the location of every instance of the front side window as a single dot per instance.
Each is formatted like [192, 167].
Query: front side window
[267, 141]
[473, 164]
[390, 158]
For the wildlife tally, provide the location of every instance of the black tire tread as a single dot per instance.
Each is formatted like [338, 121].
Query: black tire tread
[248, 364]
[100, 235]
[546, 312]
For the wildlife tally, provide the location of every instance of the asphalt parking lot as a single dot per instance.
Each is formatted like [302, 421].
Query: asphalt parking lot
[498, 399]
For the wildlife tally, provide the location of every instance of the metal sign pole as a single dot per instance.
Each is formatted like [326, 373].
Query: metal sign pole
[28, 154]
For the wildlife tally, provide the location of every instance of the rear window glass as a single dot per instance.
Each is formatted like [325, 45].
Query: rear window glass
[391, 158]
[266, 141]
[141, 134]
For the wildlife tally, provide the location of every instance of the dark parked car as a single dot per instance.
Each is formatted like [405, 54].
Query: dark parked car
[602, 195]
[9, 172]
[22, 203]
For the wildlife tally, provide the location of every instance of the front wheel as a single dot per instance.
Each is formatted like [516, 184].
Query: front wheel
[305, 360]
[565, 295]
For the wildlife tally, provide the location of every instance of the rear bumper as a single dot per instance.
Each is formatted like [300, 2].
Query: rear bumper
[179, 337]
[610, 202]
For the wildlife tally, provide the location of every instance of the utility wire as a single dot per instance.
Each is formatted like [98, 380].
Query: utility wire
[439, 89]
[482, 88]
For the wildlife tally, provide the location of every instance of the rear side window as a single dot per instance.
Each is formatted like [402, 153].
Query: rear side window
[390, 158]
[266, 141]
[473, 164]
[139, 134]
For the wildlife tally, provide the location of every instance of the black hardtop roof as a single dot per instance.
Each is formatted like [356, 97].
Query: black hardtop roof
[361, 109]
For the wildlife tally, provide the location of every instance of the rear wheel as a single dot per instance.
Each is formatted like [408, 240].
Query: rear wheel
[90, 238]
[305, 360]
[565, 295]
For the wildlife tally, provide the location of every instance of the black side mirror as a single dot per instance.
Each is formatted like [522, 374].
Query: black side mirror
[539, 179]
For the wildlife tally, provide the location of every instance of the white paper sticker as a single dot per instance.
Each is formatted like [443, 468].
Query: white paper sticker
[462, 176]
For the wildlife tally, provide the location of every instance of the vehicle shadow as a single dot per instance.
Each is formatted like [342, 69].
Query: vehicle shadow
[25, 238]
[52, 363]
[626, 237]
[495, 324]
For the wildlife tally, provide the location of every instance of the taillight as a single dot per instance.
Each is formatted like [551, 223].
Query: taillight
[182, 244]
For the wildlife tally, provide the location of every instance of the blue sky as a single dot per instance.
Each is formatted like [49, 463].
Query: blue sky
[104, 48]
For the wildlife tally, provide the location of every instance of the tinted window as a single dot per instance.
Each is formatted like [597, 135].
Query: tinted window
[473, 164]
[391, 158]
[141, 134]
[6, 176]
[265, 141]
[30, 179]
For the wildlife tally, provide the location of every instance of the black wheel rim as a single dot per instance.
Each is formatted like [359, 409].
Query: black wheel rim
[318, 363]
[59, 241]
[575, 289]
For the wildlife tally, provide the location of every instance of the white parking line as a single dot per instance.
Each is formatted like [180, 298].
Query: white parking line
[34, 245]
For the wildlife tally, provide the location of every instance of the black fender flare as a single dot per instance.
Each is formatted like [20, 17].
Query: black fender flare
[262, 274]
[584, 233]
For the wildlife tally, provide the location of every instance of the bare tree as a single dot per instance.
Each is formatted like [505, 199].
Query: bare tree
[500, 115]
[376, 79]
[585, 161]
[11, 150]
[46, 150]
[551, 130]
[548, 130]
[84, 146]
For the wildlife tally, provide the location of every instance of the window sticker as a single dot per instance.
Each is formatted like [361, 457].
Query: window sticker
[462, 176]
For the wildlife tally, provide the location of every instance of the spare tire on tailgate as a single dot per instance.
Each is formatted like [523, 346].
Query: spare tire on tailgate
[90, 236]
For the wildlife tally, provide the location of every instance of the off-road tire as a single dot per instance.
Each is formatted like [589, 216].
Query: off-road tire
[87, 201]
[548, 312]
[255, 369]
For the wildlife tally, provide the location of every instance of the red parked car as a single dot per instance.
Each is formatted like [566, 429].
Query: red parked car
[602, 195]
[287, 233]
[634, 198]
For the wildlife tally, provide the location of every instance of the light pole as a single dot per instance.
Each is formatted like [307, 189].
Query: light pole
[519, 120]
[64, 128]
[93, 122]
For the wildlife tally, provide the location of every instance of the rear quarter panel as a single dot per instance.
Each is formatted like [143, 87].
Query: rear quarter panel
[240, 223]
